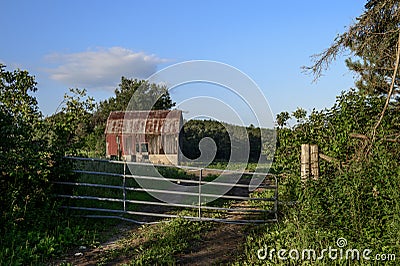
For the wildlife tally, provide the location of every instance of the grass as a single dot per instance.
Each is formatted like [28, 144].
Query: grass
[113, 193]
[299, 229]
[157, 244]
[37, 245]
[46, 241]
[250, 167]
[107, 193]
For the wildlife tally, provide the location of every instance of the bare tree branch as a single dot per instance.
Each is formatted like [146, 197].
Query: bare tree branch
[390, 90]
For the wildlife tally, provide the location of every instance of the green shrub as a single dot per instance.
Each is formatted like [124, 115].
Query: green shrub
[358, 200]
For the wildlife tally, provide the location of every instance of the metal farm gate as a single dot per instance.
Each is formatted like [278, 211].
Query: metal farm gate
[107, 189]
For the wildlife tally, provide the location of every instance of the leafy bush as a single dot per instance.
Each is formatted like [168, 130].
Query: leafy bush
[357, 199]
[31, 157]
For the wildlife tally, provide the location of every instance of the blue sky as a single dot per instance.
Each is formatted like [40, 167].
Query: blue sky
[91, 44]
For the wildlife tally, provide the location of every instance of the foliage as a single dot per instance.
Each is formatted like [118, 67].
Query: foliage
[356, 196]
[282, 118]
[71, 125]
[372, 42]
[24, 162]
[175, 237]
[141, 92]
[357, 199]
[37, 245]
[31, 157]
[332, 130]
[158, 244]
[227, 138]
[131, 94]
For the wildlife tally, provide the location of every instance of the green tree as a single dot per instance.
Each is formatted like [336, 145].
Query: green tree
[70, 127]
[282, 119]
[139, 94]
[372, 42]
[24, 162]
[32, 148]
[195, 130]
[142, 94]
[356, 195]
[32, 153]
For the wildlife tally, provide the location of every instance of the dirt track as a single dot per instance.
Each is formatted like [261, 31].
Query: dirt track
[218, 246]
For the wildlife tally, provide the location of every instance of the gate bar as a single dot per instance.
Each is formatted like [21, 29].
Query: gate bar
[174, 179]
[166, 215]
[166, 204]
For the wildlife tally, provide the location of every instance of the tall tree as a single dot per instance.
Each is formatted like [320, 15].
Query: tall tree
[372, 42]
[142, 95]
[25, 161]
[138, 94]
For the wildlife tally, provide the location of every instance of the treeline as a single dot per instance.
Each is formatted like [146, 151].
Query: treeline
[228, 139]
[90, 138]
[33, 146]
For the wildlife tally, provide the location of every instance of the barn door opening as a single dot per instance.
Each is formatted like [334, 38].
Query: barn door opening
[142, 152]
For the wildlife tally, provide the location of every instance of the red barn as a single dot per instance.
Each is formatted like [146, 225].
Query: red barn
[144, 136]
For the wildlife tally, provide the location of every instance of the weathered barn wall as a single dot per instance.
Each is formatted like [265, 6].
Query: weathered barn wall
[159, 129]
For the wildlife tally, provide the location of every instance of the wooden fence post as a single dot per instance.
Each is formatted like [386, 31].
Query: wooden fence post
[314, 161]
[309, 162]
[305, 162]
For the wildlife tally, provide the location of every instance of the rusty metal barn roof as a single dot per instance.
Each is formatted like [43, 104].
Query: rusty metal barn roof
[144, 122]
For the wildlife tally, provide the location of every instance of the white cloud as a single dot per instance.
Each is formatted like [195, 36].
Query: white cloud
[102, 68]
